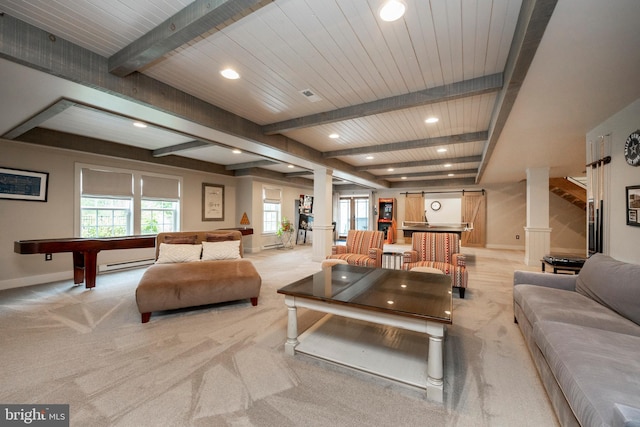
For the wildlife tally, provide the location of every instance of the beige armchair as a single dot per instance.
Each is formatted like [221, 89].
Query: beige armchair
[363, 248]
[441, 251]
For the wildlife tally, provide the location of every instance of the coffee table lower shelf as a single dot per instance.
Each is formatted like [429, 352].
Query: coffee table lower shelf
[388, 346]
[388, 352]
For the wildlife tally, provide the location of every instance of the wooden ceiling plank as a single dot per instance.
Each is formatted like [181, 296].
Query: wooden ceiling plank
[194, 20]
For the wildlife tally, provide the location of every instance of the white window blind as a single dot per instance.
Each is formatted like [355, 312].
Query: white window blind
[155, 187]
[272, 195]
[106, 183]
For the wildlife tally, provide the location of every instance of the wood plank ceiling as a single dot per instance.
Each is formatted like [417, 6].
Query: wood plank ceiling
[374, 82]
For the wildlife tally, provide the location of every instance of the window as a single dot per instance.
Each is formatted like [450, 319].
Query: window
[158, 216]
[271, 209]
[123, 203]
[159, 205]
[105, 217]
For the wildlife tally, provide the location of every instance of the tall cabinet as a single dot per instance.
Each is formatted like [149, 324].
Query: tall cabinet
[387, 211]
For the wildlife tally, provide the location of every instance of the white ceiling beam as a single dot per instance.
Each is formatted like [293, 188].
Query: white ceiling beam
[532, 23]
[419, 163]
[173, 149]
[41, 117]
[251, 165]
[409, 145]
[200, 17]
[449, 92]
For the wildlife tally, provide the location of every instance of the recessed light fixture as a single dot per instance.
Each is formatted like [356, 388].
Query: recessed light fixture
[230, 74]
[404, 177]
[451, 174]
[236, 151]
[334, 136]
[448, 165]
[139, 125]
[390, 170]
[369, 157]
[390, 302]
[392, 10]
[290, 166]
[442, 150]
[431, 120]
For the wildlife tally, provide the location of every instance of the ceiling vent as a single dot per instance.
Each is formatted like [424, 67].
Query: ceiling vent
[312, 97]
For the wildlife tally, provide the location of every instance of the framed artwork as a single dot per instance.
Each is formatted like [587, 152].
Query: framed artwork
[212, 202]
[23, 185]
[633, 205]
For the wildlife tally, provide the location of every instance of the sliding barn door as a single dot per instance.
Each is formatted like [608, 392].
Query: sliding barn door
[414, 208]
[474, 211]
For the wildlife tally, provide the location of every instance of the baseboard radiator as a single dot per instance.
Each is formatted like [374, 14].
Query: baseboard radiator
[103, 268]
[272, 246]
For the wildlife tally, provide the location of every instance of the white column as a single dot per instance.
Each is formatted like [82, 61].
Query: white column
[537, 231]
[322, 204]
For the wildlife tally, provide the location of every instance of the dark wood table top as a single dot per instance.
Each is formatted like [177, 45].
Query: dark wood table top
[406, 293]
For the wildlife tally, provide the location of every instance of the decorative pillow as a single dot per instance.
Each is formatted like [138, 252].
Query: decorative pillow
[178, 253]
[229, 249]
[219, 237]
[181, 240]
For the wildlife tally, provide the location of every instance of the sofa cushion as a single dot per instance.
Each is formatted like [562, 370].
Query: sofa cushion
[612, 283]
[596, 369]
[542, 303]
[170, 253]
[229, 249]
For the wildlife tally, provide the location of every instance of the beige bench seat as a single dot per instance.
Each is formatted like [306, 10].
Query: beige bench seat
[168, 286]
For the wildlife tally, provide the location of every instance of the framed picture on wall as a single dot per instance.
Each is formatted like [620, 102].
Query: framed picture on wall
[633, 205]
[23, 185]
[212, 202]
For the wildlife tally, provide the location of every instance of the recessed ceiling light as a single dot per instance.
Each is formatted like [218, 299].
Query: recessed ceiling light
[236, 151]
[334, 136]
[390, 170]
[404, 177]
[452, 174]
[290, 166]
[369, 157]
[442, 150]
[448, 165]
[432, 120]
[230, 74]
[139, 125]
[392, 10]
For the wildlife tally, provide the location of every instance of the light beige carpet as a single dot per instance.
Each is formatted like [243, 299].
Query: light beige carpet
[224, 365]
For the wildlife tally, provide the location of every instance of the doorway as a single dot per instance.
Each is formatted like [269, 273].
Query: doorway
[353, 214]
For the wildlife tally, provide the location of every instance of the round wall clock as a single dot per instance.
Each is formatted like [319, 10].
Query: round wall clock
[632, 149]
[436, 205]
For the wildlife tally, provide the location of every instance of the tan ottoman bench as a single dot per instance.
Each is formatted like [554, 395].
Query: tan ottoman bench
[173, 285]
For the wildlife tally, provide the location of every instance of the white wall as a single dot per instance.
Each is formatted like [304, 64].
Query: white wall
[620, 240]
[506, 216]
[26, 220]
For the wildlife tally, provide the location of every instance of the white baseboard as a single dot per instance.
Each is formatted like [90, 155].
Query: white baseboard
[505, 247]
[21, 282]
